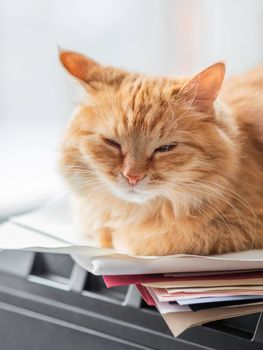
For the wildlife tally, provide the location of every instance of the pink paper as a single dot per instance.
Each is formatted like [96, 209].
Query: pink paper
[145, 295]
[123, 280]
[162, 295]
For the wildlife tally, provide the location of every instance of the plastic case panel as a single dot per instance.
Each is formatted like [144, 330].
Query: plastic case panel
[49, 302]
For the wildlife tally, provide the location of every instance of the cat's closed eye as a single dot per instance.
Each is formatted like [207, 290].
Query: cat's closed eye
[166, 148]
[112, 143]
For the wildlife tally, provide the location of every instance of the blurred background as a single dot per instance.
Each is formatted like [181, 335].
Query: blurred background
[169, 37]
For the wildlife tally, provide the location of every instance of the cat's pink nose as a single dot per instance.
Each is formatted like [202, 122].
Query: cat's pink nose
[133, 179]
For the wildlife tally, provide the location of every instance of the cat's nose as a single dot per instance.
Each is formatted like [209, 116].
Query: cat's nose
[133, 179]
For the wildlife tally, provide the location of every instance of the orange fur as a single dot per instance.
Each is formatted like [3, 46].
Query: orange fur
[203, 195]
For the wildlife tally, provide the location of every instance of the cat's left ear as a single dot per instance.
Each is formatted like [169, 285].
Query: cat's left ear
[202, 90]
[90, 73]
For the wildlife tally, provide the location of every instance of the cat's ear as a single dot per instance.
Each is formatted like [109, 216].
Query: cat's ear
[202, 90]
[89, 72]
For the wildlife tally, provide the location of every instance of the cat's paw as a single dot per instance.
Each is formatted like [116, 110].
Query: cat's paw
[122, 246]
[105, 237]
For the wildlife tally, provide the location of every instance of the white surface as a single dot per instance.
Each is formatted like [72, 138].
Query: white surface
[56, 233]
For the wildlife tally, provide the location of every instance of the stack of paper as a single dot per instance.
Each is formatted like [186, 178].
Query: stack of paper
[188, 290]
[188, 299]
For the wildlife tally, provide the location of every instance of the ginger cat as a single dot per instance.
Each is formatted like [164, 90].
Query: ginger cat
[159, 166]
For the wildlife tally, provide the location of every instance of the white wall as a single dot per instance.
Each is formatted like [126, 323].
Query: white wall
[155, 36]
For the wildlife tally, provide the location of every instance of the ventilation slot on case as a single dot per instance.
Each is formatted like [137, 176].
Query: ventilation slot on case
[146, 307]
[96, 286]
[242, 326]
[53, 270]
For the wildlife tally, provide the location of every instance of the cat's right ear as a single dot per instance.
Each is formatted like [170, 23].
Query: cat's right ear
[89, 72]
[202, 90]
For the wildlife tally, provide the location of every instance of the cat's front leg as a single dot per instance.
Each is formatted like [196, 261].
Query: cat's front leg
[213, 238]
[134, 240]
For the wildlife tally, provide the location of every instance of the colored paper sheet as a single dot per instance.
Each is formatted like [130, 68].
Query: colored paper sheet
[214, 299]
[147, 297]
[165, 308]
[205, 283]
[178, 322]
[214, 289]
[224, 304]
[124, 280]
[162, 296]
[207, 273]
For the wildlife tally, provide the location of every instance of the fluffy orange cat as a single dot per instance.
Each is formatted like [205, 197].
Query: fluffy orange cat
[159, 166]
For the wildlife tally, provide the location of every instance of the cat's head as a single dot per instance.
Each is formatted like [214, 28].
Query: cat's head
[143, 137]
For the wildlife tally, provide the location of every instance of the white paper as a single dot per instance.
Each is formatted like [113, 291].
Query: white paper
[50, 228]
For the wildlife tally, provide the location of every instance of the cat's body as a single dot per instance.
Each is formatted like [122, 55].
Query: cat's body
[156, 167]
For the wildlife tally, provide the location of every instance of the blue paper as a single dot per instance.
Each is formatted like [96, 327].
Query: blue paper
[215, 299]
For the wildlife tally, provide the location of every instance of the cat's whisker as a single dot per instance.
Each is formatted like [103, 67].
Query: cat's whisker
[218, 214]
[239, 214]
[201, 211]
[235, 195]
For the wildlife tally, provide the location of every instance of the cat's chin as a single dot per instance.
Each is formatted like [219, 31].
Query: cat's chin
[135, 197]
[132, 196]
